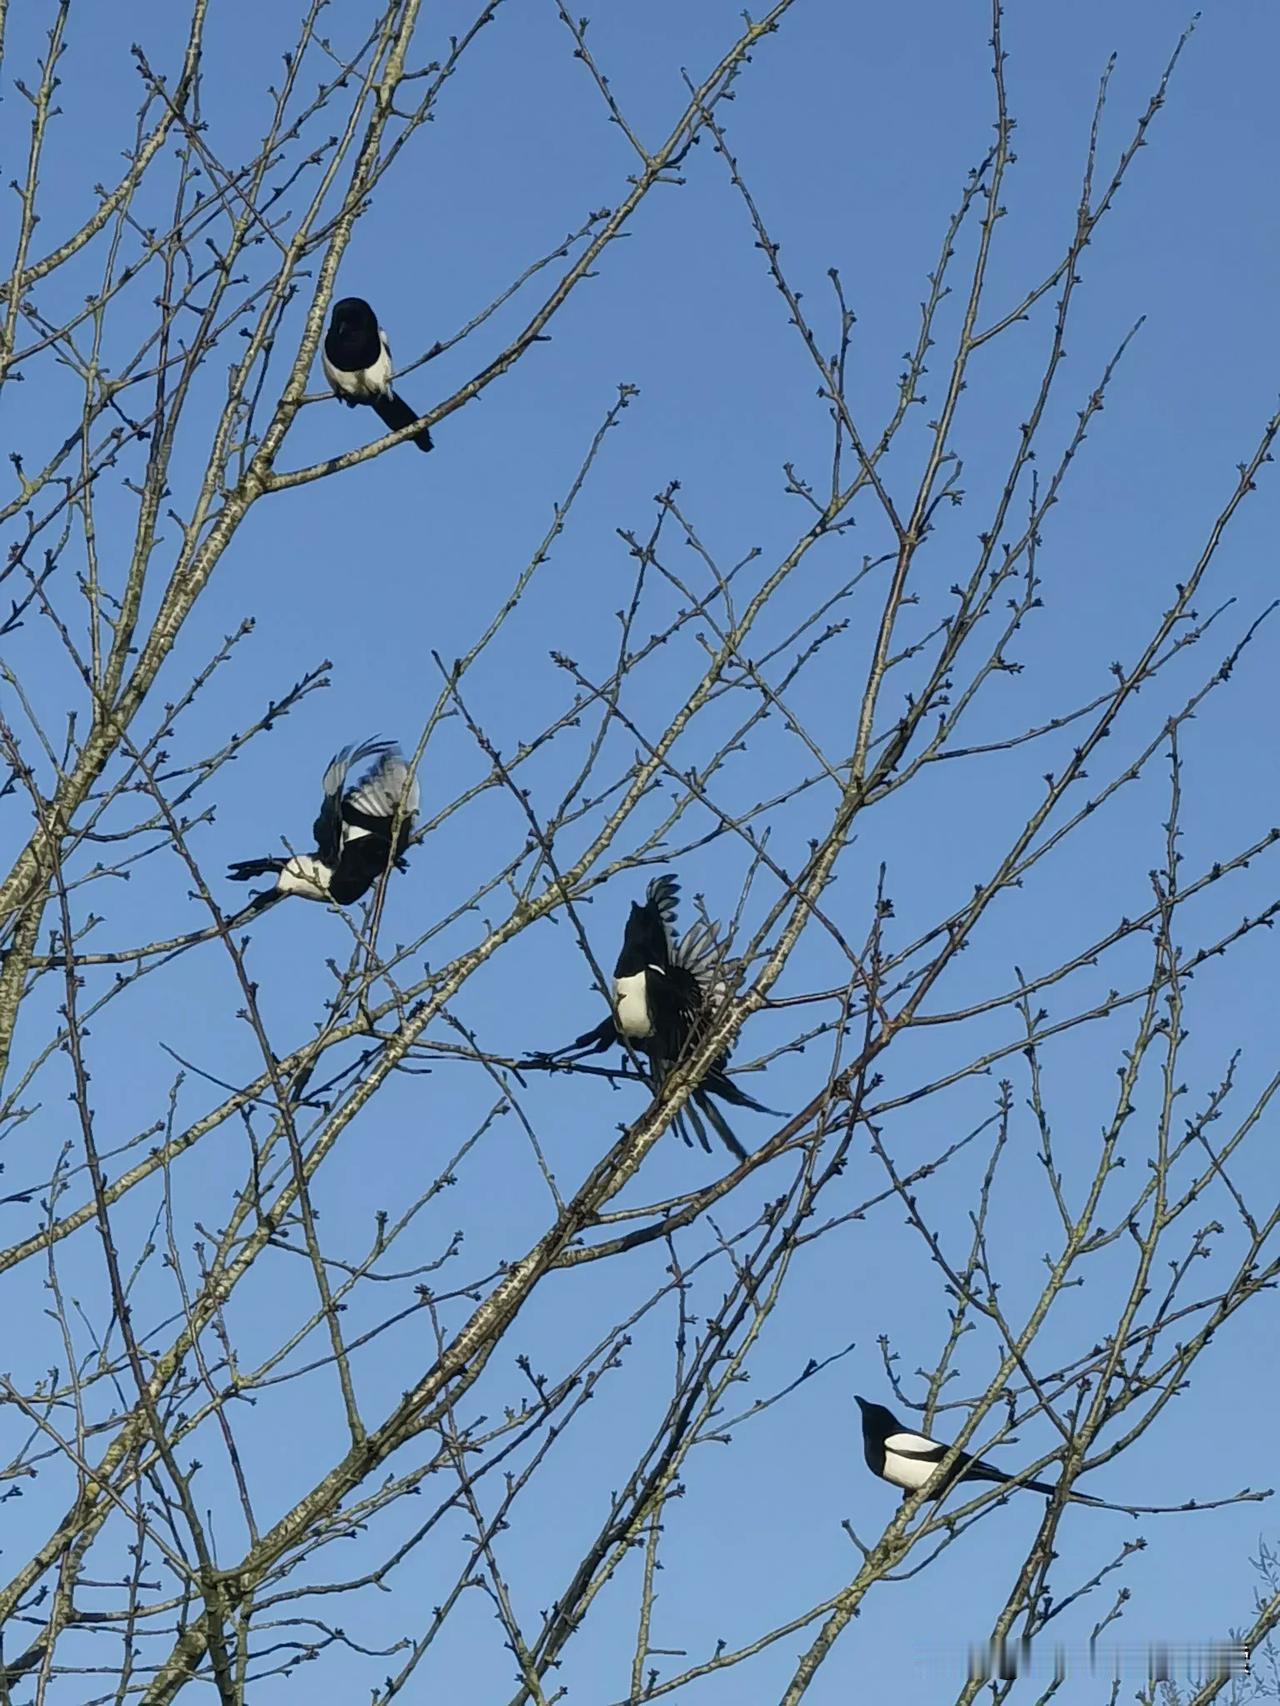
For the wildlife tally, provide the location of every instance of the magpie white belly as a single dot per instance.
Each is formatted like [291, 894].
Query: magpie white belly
[631, 1005]
[908, 1472]
[360, 384]
[305, 876]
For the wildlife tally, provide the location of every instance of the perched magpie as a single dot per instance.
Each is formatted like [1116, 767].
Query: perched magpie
[353, 831]
[357, 363]
[907, 1459]
[664, 989]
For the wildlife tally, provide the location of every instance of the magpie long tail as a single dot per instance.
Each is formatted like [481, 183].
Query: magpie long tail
[590, 1042]
[720, 1084]
[718, 1123]
[687, 1119]
[245, 870]
[395, 414]
[978, 1471]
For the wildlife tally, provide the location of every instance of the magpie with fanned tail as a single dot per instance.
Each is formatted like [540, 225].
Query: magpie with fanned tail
[362, 830]
[665, 989]
[357, 363]
[907, 1460]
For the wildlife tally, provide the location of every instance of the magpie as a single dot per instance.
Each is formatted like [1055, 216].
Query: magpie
[357, 363]
[353, 831]
[665, 988]
[907, 1459]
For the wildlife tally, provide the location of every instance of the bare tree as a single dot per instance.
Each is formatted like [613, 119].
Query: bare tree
[246, 1442]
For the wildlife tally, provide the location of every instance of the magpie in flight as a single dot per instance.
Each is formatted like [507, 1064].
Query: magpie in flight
[907, 1459]
[357, 363]
[353, 831]
[664, 989]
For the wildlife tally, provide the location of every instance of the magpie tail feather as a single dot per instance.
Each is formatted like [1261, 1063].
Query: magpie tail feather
[395, 414]
[590, 1042]
[1038, 1487]
[1073, 1497]
[1049, 1490]
[688, 1119]
[245, 870]
[988, 1472]
[720, 1084]
[720, 1125]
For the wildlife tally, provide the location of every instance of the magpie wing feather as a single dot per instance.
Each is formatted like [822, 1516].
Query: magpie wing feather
[919, 1447]
[327, 828]
[663, 894]
[385, 790]
[699, 951]
[675, 1007]
[385, 787]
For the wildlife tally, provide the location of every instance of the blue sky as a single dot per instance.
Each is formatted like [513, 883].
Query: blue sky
[855, 127]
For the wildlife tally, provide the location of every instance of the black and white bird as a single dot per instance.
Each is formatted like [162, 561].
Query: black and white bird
[353, 832]
[357, 363]
[664, 988]
[907, 1459]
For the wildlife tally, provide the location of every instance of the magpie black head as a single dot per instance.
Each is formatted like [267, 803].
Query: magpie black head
[645, 941]
[650, 934]
[877, 1425]
[354, 316]
[877, 1422]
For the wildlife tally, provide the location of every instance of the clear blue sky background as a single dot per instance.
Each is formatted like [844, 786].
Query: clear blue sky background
[855, 126]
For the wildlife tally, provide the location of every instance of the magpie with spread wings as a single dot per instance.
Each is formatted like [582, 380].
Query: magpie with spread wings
[361, 831]
[357, 363]
[665, 989]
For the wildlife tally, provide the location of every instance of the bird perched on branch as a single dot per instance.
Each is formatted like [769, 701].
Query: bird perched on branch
[361, 831]
[357, 363]
[665, 989]
[907, 1459]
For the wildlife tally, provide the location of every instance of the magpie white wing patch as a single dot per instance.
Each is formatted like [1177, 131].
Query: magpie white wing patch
[910, 1473]
[377, 378]
[912, 1445]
